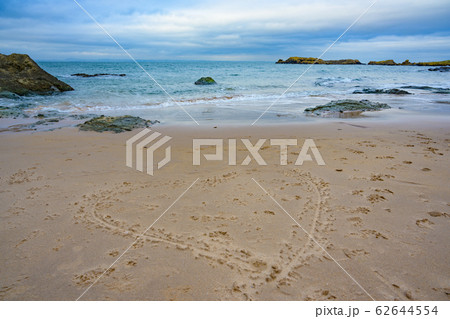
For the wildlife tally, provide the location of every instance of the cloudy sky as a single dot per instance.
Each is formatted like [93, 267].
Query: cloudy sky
[262, 30]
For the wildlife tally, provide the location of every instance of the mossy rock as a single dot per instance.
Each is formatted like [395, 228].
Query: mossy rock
[340, 106]
[385, 62]
[436, 63]
[20, 75]
[205, 81]
[116, 124]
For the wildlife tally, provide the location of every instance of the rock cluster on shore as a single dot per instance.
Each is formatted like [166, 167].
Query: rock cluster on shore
[335, 108]
[302, 60]
[20, 75]
[116, 124]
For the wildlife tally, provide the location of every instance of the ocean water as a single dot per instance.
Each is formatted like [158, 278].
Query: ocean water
[243, 91]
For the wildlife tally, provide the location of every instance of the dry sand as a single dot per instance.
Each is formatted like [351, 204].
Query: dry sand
[380, 207]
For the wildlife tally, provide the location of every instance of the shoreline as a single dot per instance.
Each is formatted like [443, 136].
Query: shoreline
[371, 119]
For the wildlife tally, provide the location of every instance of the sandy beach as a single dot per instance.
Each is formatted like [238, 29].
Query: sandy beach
[377, 214]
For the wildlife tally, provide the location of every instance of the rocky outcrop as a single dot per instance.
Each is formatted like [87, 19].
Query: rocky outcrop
[441, 69]
[116, 124]
[406, 62]
[439, 63]
[85, 75]
[385, 62]
[302, 60]
[205, 81]
[381, 91]
[20, 75]
[336, 108]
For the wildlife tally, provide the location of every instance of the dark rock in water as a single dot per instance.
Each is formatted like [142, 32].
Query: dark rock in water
[9, 95]
[205, 81]
[7, 112]
[343, 106]
[16, 111]
[428, 88]
[419, 87]
[115, 124]
[441, 69]
[46, 121]
[20, 75]
[85, 75]
[82, 116]
[381, 91]
[48, 114]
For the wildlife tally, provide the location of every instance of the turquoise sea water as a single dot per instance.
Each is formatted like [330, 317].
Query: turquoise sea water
[243, 91]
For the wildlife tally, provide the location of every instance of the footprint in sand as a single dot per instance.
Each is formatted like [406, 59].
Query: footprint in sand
[375, 198]
[424, 223]
[89, 277]
[438, 214]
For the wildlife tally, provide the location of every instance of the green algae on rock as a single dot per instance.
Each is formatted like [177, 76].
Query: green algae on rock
[20, 75]
[343, 106]
[205, 81]
[116, 124]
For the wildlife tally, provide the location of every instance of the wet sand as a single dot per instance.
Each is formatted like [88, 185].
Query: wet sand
[379, 208]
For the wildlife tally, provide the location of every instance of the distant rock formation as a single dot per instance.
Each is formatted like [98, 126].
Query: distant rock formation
[85, 75]
[116, 124]
[205, 81]
[385, 62]
[406, 62]
[439, 63]
[302, 60]
[20, 75]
